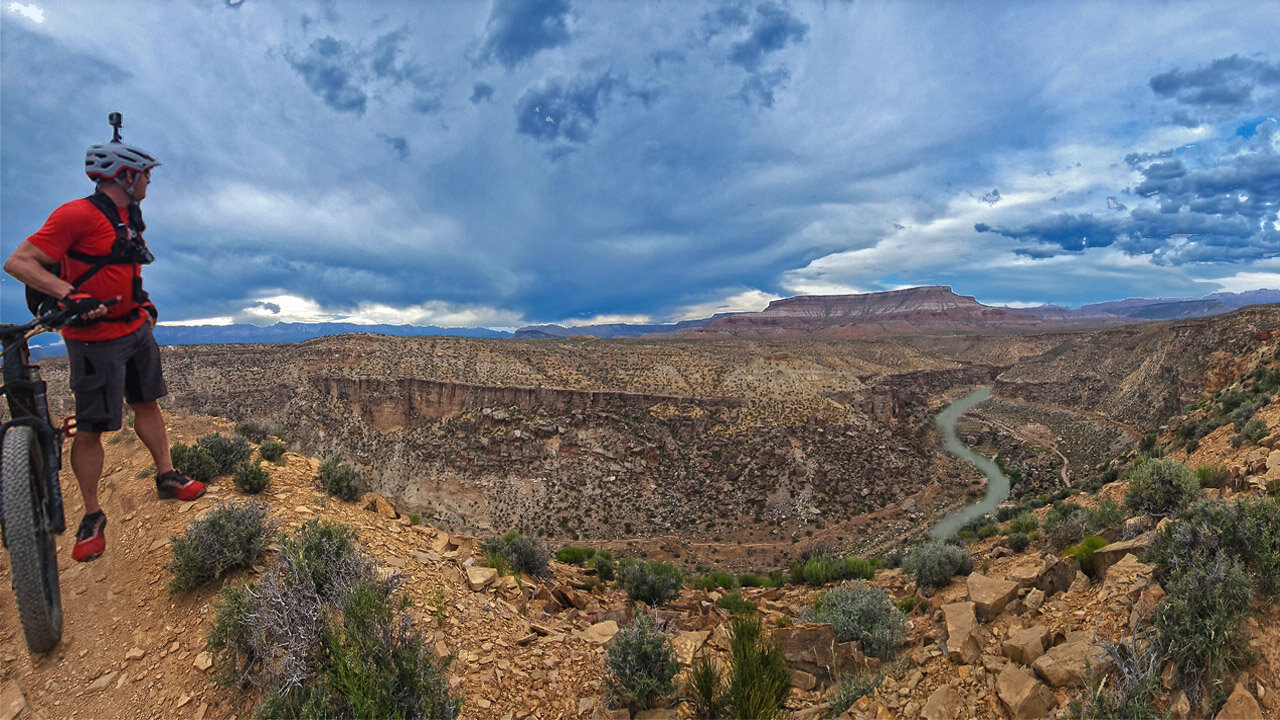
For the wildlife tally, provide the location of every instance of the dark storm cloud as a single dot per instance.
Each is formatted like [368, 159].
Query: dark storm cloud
[328, 69]
[1225, 81]
[1065, 230]
[771, 31]
[1224, 211]
[556, 110]
[481, 92]
[520, 29]
[342, 73]
[729, 16]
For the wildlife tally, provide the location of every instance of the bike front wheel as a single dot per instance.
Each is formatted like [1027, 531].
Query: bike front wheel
[33, 555]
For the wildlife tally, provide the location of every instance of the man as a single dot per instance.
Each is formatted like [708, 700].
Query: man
[110, 349]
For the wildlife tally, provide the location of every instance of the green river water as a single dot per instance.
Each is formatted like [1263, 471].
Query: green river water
[997, 483]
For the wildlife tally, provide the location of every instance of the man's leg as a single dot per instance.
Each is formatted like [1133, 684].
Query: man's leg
[148, 422]
[86, 463]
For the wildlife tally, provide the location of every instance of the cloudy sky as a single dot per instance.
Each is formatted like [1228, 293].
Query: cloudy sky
[476, 163]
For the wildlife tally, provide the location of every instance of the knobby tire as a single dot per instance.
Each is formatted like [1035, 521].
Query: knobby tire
[33, 554]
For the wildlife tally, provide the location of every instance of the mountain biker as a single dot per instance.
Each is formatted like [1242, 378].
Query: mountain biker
[110, 349]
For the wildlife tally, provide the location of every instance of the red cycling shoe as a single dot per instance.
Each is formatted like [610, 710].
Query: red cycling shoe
[174, 484]
[90, 539]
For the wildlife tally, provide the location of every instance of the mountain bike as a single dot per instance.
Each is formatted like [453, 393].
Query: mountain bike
[30, 498]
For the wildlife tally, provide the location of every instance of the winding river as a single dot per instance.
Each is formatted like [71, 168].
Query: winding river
[997, 483]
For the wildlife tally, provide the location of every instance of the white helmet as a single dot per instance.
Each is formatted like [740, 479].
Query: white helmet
[104, 161]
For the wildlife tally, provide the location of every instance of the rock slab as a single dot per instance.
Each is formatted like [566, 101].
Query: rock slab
[962, 632]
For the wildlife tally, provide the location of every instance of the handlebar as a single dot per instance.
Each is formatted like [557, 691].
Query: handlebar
[45, 322]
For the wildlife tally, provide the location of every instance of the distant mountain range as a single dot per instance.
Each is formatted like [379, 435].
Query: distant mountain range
[932, 308]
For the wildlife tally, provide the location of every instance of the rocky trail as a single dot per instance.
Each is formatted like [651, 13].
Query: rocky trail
[1010, 640]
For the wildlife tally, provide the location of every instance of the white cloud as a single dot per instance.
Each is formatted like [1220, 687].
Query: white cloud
[31, 11]
[745, 301]
[294, 309]
[1244, 281]
[607, 320]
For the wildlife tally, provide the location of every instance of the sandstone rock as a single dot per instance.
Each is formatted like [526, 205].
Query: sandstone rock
[1033, 600]
[12, 701]
[1108, 555]
[803, 680]
[1022, 694]
[1026, 646]
[204, 661]
[104, 681]
[604, 713]
[687, 643]
[1057, 575]
[657, 714]
[1180, 706]
[962, 628]
[480, 577]
[810, 648]
[1026, 573]
[1065, 665]
[944, 704]
[1079, 584]
[1241, 705]
[600, 633]
[135, 653]
[989, 595]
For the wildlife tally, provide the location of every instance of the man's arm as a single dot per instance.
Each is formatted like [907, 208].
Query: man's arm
[27, 265]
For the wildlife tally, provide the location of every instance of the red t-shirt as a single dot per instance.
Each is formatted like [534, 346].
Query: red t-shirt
[80, 226]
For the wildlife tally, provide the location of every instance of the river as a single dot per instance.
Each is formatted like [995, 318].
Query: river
[997, 483]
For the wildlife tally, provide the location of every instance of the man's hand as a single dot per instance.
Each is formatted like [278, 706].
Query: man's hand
[83, 306]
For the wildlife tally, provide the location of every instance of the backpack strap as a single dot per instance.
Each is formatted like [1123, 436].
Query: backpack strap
[117, 256]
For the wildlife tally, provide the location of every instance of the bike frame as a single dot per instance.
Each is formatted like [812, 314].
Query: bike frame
[25, 391]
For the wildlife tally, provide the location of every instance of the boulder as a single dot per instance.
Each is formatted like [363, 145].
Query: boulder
[962, 633]
[1026, 573]
[989, 595]
[1065, 665]
[1022, 695]
[1108, 555]
[1033, 600]
[944, 704]
[600, 633]
[687, 643]
[1057, 575]
[480, 577]
[1241, 705]
[1026, 646]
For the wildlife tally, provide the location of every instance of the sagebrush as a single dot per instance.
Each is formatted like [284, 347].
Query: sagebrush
[230, 536]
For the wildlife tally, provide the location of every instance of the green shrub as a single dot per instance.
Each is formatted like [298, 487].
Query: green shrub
[194, 461]
[1018, 542]
[1065, 523]
[1212, 476]
[272, 451]
[251, 478]
[759, 677]
[574, 555]
[1255, 430]
[341, 480]
[934, 563]
[654, 583]
[849, 690]
[987, 531]
[642, 664]
[602, 563]
[736, 604]
[1022, 523]
[1198, 623]
[323, 634]
[750, 579]
[705, 686]
[824, 568]
[907, 604]
[857, 611]
[230, 536]
[1248, 530]
[254, 431]
[227, 453]
[1084, 552]
[1104, 516]
[528, 555]
[1160, 487]
[1128, 693]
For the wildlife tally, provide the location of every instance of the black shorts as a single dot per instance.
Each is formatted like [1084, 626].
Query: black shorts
[104, 373]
